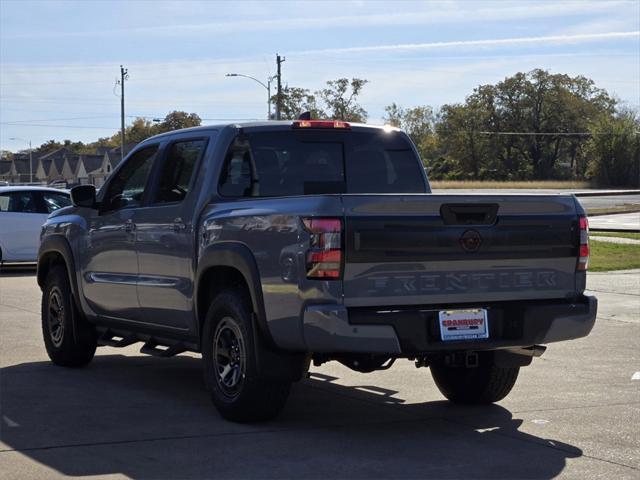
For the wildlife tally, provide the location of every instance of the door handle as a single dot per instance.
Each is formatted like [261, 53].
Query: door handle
[129, 226]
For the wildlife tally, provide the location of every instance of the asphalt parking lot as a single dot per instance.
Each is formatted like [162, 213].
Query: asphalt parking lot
[574, 413]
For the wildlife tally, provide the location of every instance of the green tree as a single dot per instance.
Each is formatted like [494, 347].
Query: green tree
[340, 98]
[530, 125]
[296, 100]
[48, 146]
[177, 119]
[419, 123]
[339, 101]
[139, 130]
[615, 150]
[75, 147]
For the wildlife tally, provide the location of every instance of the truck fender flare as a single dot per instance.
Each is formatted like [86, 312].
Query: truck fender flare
[60, 245]
[238, 256]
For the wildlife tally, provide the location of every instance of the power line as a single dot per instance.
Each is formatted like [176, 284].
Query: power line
[59, 119]
[88, 101]
[534, 134]
[27, 122]
[55, 126]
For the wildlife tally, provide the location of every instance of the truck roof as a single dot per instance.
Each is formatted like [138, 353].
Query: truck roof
[261, 125]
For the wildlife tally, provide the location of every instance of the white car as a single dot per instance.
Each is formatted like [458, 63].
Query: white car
[23, 210]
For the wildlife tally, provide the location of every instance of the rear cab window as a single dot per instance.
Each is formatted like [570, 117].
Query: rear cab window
[290, 163]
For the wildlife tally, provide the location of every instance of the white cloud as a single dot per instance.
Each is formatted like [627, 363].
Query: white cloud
[549, 39]
[330, 18]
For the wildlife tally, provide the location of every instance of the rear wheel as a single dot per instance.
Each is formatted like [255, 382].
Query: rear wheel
[486, 383]
[69, 339]
[231, 373]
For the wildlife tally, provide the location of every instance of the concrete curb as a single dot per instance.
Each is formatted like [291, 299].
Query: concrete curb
[615, 230]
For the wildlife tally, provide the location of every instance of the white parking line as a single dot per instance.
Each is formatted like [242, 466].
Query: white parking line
[539, 421]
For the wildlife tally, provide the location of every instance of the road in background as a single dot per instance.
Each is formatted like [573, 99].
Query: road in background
[620, 221]
[610, 201]
[573, 413]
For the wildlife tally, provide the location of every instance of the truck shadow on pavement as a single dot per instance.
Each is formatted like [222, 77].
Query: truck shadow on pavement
[151, 418]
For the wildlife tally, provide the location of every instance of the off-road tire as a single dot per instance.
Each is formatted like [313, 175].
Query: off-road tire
[69, 339]
[486, 383]
[254, 398]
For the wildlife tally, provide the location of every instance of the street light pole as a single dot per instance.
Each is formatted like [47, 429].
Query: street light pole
[30, 157]
[267, 86]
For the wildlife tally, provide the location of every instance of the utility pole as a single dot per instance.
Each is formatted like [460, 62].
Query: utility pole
[30, 163]
[123, 77]
[279, 61]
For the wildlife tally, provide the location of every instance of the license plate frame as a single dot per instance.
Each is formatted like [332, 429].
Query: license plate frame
[463, 324]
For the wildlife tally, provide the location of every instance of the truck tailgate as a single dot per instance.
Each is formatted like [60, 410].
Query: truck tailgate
[422, 249]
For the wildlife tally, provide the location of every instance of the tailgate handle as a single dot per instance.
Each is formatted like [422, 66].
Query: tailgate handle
[469, 214]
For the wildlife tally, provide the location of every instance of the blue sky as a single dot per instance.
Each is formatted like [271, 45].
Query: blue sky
[59, 59]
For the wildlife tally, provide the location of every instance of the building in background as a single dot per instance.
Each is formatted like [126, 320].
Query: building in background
[62, 166]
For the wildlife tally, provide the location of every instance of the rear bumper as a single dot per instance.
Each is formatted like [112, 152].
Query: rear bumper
[337, 329]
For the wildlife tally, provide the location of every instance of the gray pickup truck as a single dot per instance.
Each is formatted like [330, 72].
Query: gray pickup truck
[266, 246]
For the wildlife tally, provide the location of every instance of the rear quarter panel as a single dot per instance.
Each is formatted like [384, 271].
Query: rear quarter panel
[272, 230]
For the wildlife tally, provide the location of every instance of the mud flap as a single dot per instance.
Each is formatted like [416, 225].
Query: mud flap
[274, 364]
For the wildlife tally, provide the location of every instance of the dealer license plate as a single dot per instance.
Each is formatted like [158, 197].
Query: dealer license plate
[463, 324]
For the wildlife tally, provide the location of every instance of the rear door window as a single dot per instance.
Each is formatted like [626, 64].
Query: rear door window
[177, 171]
[18, 202]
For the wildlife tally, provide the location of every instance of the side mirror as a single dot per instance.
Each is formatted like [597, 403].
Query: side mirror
[84, 196]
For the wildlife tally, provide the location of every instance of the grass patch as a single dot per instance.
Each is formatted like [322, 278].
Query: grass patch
[533, 185]
[613, 256]
[635, 236]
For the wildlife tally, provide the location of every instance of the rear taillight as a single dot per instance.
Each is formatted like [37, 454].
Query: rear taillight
[324, 257]
[583, 255]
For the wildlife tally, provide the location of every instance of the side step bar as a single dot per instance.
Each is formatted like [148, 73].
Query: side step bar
[152, 348]
[164, 348]
[110, 339]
